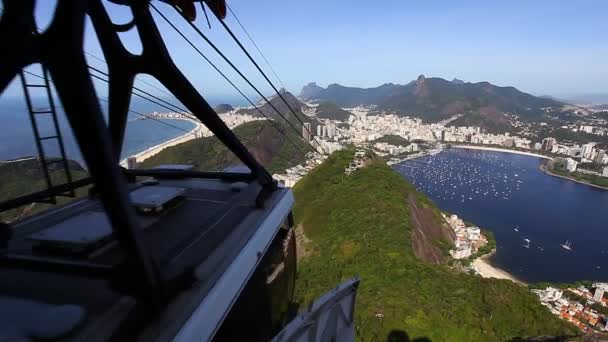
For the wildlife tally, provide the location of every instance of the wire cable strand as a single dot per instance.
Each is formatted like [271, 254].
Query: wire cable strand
[256, 46]
[130, 110]
[238, 42]
[137, 80]
[183, 111]
[246, 140]
[232, 66]
[234, 85]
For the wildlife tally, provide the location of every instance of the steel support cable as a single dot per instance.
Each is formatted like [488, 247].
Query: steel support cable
[181, 114]
[130, 110]
[183, 111]
[176, 108]
[255, 45]
[233, 67]
[225, 77]
[137, 80]
[238, 42]
[170, 125]
[274, 124]
[231, 83]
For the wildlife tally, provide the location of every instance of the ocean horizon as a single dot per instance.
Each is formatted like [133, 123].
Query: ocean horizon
[17, 140]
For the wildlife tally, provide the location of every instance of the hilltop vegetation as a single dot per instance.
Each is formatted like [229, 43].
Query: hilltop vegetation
[223, 108]
[361, 225]
[26, 177]
[392, 140]
[329, 110]
[568, 135]
[493, 122]
[288, 106]
[264, 142]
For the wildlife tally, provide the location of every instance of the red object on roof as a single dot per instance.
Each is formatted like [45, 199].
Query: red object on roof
[218, 7]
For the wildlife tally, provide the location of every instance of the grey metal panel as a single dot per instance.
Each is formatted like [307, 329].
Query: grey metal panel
[208, 316]
[24, 319]
[329, 318]
[80, 231]
[152, 197]
[174, 167]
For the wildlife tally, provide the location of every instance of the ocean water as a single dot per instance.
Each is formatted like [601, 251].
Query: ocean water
[501, 192]
[17, 139]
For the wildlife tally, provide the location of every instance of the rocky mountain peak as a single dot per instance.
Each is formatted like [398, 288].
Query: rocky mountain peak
[420, 80]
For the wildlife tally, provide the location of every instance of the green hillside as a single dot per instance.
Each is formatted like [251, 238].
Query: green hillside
[492, 122]
[360, 225]
[329, 110]
[264, 142]
[26, 177]
[393, 140]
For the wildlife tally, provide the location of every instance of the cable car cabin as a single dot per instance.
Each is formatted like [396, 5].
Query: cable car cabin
[232, 266]
[66, 267]
[162, 254]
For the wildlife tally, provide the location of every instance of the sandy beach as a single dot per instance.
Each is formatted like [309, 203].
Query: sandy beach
[496, 149]
[143, 155]
[486, 270]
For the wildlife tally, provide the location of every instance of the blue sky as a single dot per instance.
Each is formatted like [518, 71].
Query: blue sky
[542, 47]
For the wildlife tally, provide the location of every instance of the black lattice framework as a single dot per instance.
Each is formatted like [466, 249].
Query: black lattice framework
[59, 50]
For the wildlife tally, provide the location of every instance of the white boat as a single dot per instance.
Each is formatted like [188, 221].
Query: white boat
[567, 245]
[527, 243]
[516, 228]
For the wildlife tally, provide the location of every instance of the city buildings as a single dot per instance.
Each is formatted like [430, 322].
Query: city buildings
[588, 150]
[576, 305]
[468, 239]
[600, 288]
[384, 149]
[131, 163]
[360, 160]
[306, 131]
[547, 144]
[571, 164]
[366, 125]
[293, 174]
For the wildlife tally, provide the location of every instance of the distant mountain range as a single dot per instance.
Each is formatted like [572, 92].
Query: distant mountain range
[330, 110]
[324, 110]
[275, 101]
[223, 108]
[435, 99]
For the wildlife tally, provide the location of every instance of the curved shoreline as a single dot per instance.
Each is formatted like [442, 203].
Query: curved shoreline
[543, 168]
[153, 150]
[496, 149]
[486, 269]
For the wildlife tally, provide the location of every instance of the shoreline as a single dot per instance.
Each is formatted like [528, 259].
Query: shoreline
[472, 147]
[156, 149]
[544, 169]
[496, 149]
[486, 270]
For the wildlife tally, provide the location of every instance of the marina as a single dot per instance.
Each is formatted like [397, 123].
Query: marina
[532, 215]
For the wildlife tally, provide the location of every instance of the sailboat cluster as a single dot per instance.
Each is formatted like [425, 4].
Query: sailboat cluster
[457, 175]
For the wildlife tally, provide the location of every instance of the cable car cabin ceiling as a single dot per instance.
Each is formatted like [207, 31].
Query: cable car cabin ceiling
[134, 252]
